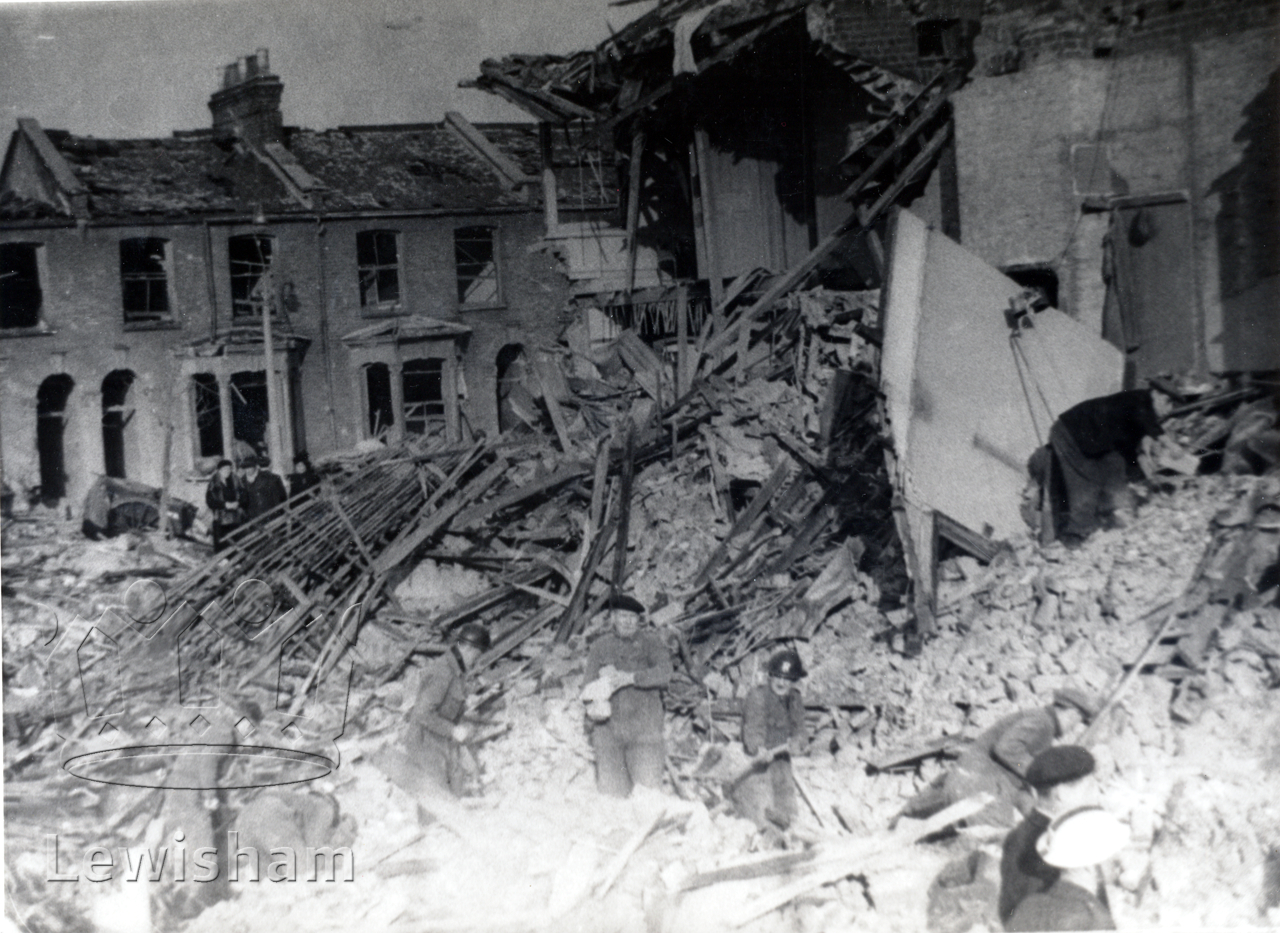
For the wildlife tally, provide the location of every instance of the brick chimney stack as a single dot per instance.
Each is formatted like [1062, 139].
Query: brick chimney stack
[248, 103]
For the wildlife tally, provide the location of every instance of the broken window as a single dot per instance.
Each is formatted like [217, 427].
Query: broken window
[939, 38]
[424, 397]
[377, 379]
[249, 411]
[117, 415]
[208, 414]
[250, 260]
[377, 255]
[1038, 278]
[475, 253]
[144, 279]
[20, 294]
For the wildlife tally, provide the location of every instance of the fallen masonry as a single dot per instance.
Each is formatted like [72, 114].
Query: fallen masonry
[749, 509]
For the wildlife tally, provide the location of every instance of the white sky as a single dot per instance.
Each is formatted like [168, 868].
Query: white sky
[147, 67]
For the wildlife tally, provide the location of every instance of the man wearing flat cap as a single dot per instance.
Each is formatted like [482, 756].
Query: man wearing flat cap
[627, 731]
[998, 760]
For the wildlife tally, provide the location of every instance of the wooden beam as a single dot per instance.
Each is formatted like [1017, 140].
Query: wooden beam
[901, 139]
[633, 205]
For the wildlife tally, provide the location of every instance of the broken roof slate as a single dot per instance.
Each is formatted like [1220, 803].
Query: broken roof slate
[406, 167]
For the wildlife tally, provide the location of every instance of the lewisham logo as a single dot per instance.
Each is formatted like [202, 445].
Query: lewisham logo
[201, 698]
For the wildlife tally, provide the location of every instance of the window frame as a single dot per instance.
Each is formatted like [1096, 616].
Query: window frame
[379, 305]
[141, 320]
[40, 326]
[460, 237]
[254, 315]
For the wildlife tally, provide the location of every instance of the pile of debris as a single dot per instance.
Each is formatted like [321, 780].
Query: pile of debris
[747, 508]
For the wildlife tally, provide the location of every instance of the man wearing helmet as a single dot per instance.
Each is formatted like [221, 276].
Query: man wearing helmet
[627, 735]
[436, 731]
[772, 731]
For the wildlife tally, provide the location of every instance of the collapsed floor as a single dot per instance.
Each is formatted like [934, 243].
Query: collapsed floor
[740, 535]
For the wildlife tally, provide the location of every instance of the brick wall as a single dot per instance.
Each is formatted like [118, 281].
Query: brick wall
[80, 278]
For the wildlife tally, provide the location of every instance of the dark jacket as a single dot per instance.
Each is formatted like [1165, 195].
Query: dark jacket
[1015, 740]
[769, 720]
[637, 710]
[442, 695]
[301, 482]
[219, 495]
[1112, 423]
[262, 494]
[1063, 906]
[1022, 871]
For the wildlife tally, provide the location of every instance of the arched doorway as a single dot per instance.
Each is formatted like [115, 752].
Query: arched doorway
[117, 415]
[51, 422]
[512, 366]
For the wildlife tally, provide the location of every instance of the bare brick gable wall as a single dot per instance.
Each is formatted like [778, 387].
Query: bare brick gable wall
[1136, 98]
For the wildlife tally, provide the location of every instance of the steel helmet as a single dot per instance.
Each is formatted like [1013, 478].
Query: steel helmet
[786, 664]
[474, 634]
[1081, 838]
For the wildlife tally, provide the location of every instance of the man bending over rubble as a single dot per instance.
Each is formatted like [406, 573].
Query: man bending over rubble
[436, 731]
[772, 731]
[627, 670]
[998, 760]
[1094, 444]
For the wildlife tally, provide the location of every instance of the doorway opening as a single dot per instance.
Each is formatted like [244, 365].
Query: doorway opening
[51, 422]
[117, 415]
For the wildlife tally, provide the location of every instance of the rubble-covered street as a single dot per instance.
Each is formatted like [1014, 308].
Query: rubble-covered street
[640, 466]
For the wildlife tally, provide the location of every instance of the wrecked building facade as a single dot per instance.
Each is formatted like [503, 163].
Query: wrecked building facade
[1121, 157]
[394, 260]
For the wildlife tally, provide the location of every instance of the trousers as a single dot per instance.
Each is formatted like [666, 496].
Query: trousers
[621, 763]
[1095, 486]
[767, 796]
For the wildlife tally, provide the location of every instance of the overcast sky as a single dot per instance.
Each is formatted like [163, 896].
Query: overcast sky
[147, 67]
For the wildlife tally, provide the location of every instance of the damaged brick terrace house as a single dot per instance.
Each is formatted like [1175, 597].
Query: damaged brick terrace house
[1119, 159]
[393, 263]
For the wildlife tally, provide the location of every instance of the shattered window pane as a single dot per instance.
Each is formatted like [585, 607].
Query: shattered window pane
[475, 254]
[20, 294]
[250, 259]
[144, 279]
[377, 255]
[424, 397]
[208, 407]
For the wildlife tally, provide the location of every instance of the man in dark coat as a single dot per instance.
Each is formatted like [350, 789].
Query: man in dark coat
[222, 496]
[628, 744]
[262, 489]
[436, 732]
[997, 761]
[772, 730]
[1094, 445]
[303, 476]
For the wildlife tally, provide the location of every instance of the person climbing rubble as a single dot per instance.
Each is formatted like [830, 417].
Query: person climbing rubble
[1092, 448]
[627, 670]
[998, 760]
[436, 734]
[772, 731]
[223, 497]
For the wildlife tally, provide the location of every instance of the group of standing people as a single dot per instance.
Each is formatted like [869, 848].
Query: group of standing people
[240, 492]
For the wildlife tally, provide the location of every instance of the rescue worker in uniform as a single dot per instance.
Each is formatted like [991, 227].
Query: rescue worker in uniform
[436, 731]
[997, 761]
[772, 731]
[628, 744]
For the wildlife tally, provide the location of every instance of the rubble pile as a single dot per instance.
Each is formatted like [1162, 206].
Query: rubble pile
[749, 514]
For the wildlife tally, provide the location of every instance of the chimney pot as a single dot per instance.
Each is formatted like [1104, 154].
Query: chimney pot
[264, 65]
[248, 103]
